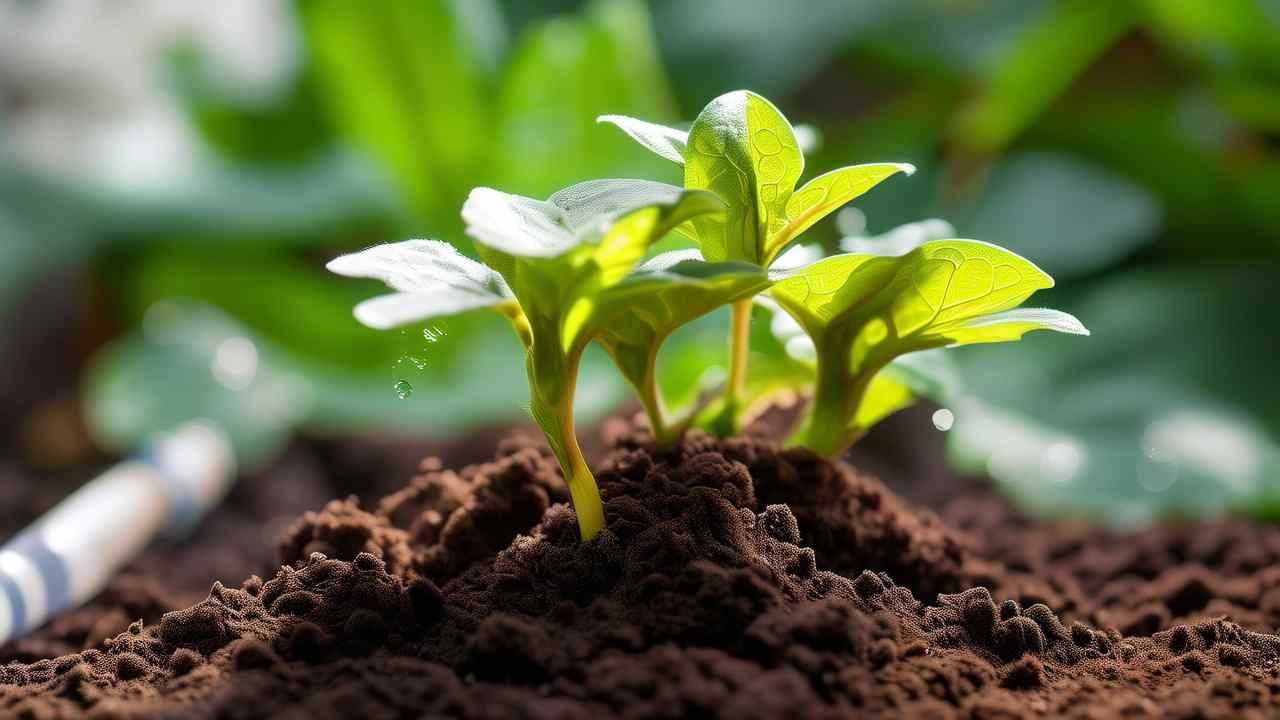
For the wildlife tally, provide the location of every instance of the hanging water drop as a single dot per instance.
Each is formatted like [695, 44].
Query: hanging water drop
[403, 389]
[944, 419]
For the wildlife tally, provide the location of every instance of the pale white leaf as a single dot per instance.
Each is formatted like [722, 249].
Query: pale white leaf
[665, 141]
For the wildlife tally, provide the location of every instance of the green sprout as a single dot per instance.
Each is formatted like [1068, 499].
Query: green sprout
[861, 312]
[743, 149]
[571, 270]
[560, 270]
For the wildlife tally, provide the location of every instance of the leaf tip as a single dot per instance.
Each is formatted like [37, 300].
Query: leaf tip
[906, 168]
[348, 265]
[368, 314]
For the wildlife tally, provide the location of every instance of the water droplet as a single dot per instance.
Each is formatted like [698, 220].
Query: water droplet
[944, 419]
[235, 363]
[417, 362]
[403, 389]
[1062, 461]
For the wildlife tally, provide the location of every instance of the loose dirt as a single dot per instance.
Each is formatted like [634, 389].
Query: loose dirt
[734, 579]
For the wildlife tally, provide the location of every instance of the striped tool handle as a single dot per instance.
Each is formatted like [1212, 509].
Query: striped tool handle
[72, 552]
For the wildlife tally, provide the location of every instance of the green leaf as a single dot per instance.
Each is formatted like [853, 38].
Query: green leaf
[742, 148]
[432, 278]
[863, 311]
[563, 73]
[823, 195]
[664, 141]
[402, 82]
[1040, 66]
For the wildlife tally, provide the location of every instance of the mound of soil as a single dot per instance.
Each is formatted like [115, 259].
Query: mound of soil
[734, 579]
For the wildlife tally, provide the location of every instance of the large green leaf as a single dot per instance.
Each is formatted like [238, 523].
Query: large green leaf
[1039, 67]
[402, 80]
[863, 311]
[563, 73]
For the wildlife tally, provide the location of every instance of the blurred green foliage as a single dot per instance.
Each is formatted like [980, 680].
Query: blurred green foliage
[1132, 148]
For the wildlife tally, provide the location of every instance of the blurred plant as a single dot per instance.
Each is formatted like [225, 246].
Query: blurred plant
[424, 117]
[432, 91]
[81, 98]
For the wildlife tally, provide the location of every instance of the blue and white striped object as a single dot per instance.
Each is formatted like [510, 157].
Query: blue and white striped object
[72, 552]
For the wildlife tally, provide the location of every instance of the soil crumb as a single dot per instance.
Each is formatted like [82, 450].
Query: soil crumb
[734, 579]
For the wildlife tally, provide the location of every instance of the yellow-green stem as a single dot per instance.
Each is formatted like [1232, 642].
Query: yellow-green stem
[726, 423]
[654, 408]
[665, 426]
[582, 489]
[827, 429]
[582, 484]
[739, 349]
[555, 417]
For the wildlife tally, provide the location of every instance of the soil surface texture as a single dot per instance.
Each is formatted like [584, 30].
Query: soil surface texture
[734, 579]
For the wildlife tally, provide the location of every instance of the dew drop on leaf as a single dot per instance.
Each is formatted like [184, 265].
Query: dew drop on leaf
[944, 419]
[403, 389]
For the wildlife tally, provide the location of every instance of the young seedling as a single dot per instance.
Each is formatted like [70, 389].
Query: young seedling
[743, 149]
[559, 270]
[863, 311]
[564, 272]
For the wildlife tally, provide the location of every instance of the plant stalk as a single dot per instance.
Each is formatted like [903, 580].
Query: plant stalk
[582, 487]
[555, 417]
[667, 427]
[726, 422]
[836, 397]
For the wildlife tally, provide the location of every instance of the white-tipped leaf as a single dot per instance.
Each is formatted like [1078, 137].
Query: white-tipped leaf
[517, 225]
[524, 227]
[1011, 325]
[599, 201]
[414, 265]
[432, 277]
[664, 141]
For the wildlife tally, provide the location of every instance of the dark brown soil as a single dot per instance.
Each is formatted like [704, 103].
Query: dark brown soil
[733, 580]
